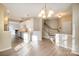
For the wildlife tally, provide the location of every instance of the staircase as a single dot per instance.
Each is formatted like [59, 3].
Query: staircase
[49, 32]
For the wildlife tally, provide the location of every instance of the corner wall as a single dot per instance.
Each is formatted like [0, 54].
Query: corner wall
[66, 24]
[5, 37]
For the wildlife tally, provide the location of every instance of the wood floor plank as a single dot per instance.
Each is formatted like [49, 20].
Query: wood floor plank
[43, 48]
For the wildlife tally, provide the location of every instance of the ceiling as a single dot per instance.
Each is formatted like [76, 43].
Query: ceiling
[20, 10]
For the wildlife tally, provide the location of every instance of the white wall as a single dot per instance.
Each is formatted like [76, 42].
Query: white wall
[5, 41]
[66, 24]
[75, 27]
[37, 27]
[5, 38]
[1, 18]
[36, 24]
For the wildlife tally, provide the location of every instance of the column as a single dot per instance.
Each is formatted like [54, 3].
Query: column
[75, 27]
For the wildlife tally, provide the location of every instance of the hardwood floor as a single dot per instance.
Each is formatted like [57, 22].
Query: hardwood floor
[42, 48]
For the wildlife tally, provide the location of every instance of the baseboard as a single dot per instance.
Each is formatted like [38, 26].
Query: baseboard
[5, 49]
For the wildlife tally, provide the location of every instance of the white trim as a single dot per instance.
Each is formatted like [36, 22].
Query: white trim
[5, 49]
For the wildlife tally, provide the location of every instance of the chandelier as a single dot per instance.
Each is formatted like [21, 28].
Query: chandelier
[45, 13]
